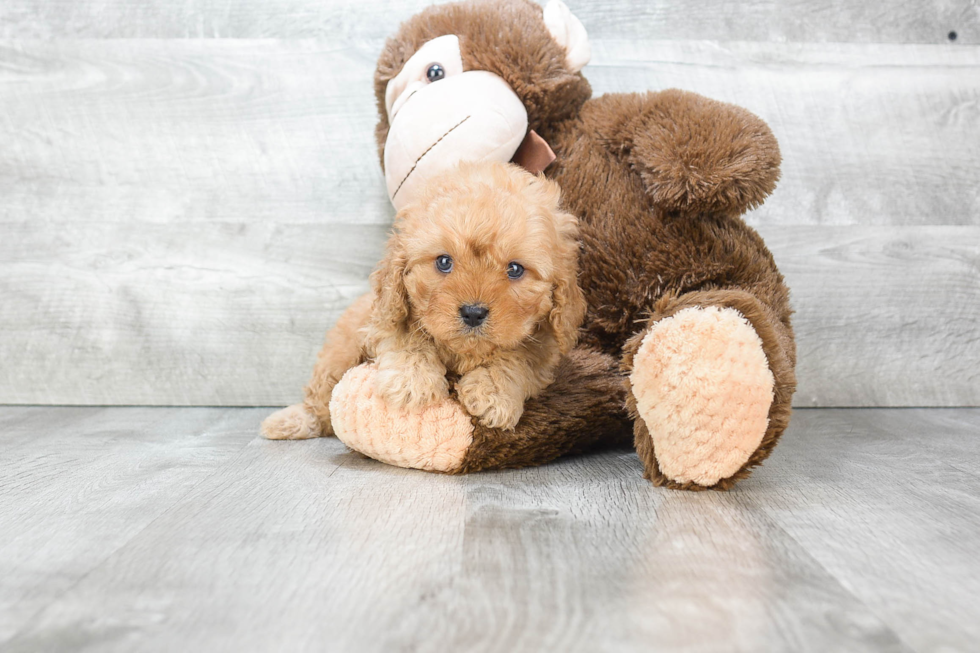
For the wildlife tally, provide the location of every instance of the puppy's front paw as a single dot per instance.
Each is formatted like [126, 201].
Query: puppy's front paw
[494, 406]
[411, 388]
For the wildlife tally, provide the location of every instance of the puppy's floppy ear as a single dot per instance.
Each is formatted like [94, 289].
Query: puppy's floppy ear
[391, 307]
[568, 301]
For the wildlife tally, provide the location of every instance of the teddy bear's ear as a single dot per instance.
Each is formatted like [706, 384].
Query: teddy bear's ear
[570, 34]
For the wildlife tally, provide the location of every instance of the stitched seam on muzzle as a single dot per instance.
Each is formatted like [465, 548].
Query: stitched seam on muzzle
[414, 165]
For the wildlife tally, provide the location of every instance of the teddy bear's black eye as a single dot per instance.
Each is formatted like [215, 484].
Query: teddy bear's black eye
[515, 270]
[435, 72]
[444, 263]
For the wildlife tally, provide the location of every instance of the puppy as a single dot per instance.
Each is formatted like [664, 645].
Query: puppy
[479, 282]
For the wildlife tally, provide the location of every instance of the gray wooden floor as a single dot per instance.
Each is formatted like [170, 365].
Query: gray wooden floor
[177, 529]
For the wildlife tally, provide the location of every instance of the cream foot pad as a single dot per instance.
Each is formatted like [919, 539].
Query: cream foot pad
[703, 386]
[435, 438]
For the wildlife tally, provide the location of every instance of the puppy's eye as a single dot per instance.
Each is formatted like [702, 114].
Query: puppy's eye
[515, 270]
[444, 263]
[435, 72]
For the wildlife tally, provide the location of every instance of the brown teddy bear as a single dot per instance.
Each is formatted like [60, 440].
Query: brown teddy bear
[688, 322]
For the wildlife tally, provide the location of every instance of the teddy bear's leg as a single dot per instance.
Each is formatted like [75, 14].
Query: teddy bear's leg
[342, 349]
[710, 383]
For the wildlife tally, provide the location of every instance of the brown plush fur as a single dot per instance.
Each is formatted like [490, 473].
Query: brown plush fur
[658, 182]
[584, 405]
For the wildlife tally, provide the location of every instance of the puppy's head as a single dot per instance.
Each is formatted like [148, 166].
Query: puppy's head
[484, 259]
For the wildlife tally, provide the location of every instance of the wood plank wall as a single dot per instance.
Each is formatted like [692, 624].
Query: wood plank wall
[189, 194]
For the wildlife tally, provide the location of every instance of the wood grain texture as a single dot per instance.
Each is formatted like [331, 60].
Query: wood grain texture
[285, 548]
[885, 316]
[888, 501]
[889, 21]
[78, 483]
[283, 131]
[857, 535]
[161, 131]
[180, 221]
[649, 570]
[178, 313]
[832, 21]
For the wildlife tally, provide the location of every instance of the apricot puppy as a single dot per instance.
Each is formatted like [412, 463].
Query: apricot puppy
[479, 280]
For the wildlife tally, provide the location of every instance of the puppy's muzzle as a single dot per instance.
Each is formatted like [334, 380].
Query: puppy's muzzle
[473, 315]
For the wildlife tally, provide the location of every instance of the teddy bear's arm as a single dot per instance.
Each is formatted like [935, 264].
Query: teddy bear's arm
[582, 409]
[696, 155]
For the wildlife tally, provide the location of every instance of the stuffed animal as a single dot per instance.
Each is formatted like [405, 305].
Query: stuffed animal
[681, 293]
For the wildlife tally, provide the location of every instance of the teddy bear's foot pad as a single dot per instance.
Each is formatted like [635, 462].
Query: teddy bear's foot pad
[435, 438]
[703, 387]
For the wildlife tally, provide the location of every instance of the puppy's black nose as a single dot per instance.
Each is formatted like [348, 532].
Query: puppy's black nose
[473, 314]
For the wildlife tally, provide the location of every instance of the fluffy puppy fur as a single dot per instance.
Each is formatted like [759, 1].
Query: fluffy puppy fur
[487, 236]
